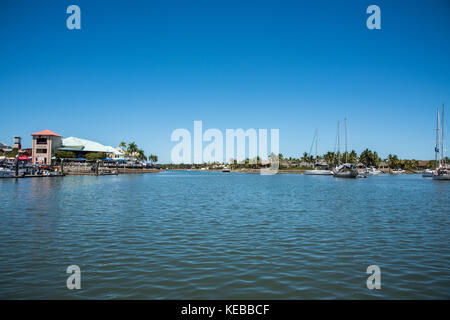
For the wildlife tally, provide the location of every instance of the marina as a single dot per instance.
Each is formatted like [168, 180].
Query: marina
[224, 158]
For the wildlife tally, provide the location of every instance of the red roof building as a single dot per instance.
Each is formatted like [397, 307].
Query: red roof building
[45, 143]
[46, 133]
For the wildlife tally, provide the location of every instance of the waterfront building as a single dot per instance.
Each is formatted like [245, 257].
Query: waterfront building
[4, 147]
[17, 143]
[81, 147]
[45, 143]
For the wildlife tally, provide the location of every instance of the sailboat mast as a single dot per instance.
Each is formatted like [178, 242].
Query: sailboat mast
[436, 148]
[346, 140]
[339, 145]
[442, 134]
[317, 138]
[438, 140]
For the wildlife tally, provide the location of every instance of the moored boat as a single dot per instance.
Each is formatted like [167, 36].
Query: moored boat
[318, 172]
[428, 173]
[226, 169]
[397, 171]
[443, 172]
[6, 173]
[346, 170]
[372, 171]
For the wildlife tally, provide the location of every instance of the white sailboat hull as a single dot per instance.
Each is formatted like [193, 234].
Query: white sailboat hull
[318, 173]
[442, 177]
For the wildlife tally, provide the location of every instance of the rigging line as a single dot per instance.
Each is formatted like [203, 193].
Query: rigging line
[312, 144]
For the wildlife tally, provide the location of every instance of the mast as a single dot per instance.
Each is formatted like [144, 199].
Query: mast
[317, 138]
[442, 134]
[339, 145]
[436, 148]
[438, 142]
[346, 140]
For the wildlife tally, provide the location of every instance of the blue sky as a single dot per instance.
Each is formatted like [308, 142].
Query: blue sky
[137, 70]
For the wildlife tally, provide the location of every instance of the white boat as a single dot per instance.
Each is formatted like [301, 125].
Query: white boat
[317, 172]
[372, 171]
[346, 170]
[226, 169]
[6, 173]
[428, 173]
[397, 171]
[443, 172]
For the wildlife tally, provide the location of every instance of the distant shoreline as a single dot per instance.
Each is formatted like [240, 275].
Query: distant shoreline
[280, 171]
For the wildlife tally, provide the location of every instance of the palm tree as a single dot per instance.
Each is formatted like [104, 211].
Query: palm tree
[365, 157]
[153, 158]
[140, 154]
[353, 157]
[305, 157]
[393, 161]
[132, 148]
[123, 146]
[330, 158]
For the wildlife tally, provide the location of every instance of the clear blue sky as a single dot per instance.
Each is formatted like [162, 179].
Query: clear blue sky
[137, 70]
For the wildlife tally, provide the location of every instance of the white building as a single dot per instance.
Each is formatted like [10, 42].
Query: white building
[84, 146]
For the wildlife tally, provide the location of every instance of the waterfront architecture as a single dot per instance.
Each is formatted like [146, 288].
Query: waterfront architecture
[81, 147]
[45, 143]
[17, 143]
[4, 147]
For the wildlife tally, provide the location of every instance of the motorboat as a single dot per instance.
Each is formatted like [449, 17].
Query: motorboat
[397, 171]
[372, 171]
[6, 173]
[226, 169]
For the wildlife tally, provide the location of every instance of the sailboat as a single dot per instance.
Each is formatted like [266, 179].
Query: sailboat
[317, 172]
[428, 173]
[345, 170]
[442, 172]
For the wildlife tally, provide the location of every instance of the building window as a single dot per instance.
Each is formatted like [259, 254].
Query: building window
[41, 141]
[41, 150]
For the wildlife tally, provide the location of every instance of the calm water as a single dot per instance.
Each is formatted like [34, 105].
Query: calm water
[215, 235]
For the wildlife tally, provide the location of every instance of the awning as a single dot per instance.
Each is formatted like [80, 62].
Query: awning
[71, 148]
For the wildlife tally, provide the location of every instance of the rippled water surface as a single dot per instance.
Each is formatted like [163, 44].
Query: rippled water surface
[193, 235]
